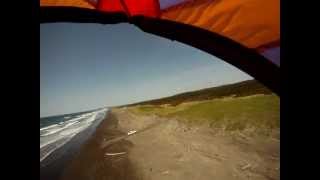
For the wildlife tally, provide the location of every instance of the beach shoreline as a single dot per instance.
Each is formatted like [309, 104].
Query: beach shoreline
[91, 161]
[52, 167]
[170, 150]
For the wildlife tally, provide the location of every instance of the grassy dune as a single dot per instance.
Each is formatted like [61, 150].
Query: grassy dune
[241, 89]
[231, 113]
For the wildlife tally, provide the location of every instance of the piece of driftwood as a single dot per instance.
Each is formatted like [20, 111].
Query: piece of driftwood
[114, 154]
[246, 167]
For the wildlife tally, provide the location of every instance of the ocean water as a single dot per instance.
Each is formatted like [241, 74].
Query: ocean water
[55, 131]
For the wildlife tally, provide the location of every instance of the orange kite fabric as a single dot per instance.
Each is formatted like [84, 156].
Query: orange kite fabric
[67, 3]
[253, 23]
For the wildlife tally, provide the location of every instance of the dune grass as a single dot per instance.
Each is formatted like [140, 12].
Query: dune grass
[258, 111]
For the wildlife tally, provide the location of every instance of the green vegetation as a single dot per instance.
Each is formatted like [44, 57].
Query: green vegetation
[259, 111]
[245, 88]
[237, 106]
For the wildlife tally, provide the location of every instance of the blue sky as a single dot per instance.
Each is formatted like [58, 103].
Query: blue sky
[86, 66]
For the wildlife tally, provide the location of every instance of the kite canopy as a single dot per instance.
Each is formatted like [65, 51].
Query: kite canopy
[245, 33]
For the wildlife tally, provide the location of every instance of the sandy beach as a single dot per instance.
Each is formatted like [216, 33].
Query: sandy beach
[161, 148]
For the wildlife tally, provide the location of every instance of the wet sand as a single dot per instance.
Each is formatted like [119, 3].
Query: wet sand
[92, 163]
[52, 167]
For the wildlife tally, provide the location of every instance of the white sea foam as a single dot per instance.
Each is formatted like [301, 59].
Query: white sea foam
[58, 134]
[55, 147]
[64, 125]
[73, 131]
[48, 141]
[56, 129]
[51, 132]
[48, 127]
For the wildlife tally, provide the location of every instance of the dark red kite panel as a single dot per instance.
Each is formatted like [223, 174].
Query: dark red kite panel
[149, 8]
